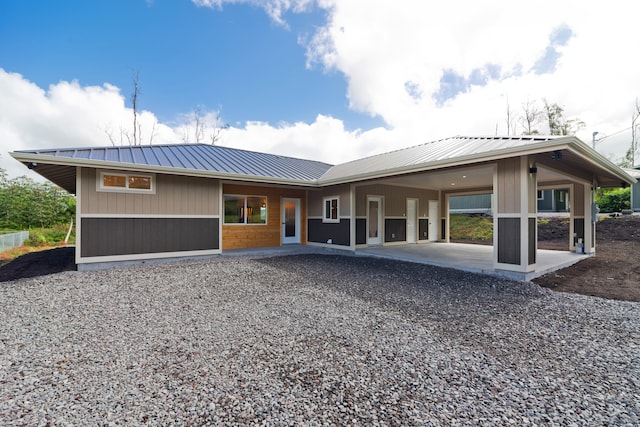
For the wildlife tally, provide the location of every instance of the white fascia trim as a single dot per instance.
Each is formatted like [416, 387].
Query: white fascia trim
[125, 215]
[137, 257]
[598, 159]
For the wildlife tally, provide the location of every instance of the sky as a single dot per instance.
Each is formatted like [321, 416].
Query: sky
[328, 80]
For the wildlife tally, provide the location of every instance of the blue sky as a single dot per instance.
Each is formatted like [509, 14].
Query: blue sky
[329, 80]
[236, 58]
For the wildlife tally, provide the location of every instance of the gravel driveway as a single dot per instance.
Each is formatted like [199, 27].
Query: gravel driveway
[312, 340]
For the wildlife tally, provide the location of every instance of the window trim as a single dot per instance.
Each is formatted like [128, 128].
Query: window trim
[540, 194]
[245, 197]
[101, 187]
[330, 219]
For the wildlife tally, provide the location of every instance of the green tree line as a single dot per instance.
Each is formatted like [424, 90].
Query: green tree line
[27, 204]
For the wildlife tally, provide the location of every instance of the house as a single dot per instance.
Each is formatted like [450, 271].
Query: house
[635, 188]
[549, 200]
[165, 201]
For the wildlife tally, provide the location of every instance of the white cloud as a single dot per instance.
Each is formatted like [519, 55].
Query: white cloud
[274, 8]
[68, 115]
[384, 47]
[326, 139]
[65, 115]
[393, 56]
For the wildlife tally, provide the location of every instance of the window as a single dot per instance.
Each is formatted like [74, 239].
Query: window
[331, 209]
[245, 209]
[540, 195]
[111, 181]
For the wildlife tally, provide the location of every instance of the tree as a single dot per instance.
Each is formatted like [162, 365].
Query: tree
[25, 204]
[511, 123]
[201, 124]
[558, 124]
[133, 136]
[531, 116]
[630, 156]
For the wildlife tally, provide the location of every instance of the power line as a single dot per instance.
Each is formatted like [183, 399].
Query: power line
[613, 134]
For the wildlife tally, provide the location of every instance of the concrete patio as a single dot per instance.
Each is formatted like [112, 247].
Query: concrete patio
[460, 256]
[472, 258]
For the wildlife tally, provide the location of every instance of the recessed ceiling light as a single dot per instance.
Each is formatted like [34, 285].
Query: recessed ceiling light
[464, 176]
[453, 183]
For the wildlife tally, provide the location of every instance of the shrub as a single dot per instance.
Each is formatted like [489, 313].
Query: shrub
[614, 200]
[471, 227]
[36, 238]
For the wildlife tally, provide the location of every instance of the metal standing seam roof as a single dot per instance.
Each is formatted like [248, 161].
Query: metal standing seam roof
[195, 157]
[230, 163]
[429, 153]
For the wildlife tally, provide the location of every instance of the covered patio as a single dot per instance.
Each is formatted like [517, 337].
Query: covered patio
[472, 258]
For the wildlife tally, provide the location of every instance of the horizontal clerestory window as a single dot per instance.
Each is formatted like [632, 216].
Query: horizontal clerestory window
[245, 209]
[134, 182]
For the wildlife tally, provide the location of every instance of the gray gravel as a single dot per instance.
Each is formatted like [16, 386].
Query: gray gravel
[311, 340]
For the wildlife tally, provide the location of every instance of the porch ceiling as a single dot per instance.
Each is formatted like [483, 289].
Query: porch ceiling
[463, 179]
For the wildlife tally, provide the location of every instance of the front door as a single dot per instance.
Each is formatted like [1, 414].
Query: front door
[290, 221]
[374, 220]
[411, 220]
[433, 220]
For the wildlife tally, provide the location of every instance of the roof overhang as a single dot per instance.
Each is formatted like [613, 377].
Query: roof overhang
[62, 170]
[565, 156]
[576, 159]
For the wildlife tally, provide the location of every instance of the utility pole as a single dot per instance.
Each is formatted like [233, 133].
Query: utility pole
[593, 141]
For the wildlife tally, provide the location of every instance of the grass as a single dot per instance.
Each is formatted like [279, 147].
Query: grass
[40, 239]
[470, 227]
[11, 254]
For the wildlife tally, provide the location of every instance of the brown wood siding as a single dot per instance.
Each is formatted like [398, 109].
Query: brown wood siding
[509, 240]
[175, 195]
[508, 191]
[316, 196]
[263, 235]
[395, 199]
[129, 236]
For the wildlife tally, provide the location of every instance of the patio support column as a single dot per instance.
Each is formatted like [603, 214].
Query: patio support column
[590, 218]
[583, 217]
[514, 221]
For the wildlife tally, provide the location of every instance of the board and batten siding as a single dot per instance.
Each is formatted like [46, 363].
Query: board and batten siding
[316, 197]
[181, 218]
[239, 236]
[175, 195]
[395, 199]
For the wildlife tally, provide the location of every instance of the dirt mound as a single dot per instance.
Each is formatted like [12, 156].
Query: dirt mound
[39, 263]
[614, 272]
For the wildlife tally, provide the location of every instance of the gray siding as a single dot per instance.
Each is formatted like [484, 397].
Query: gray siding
[509, 240]
[321, 232]
[395, 230]
[635, 197]
[129, 236]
